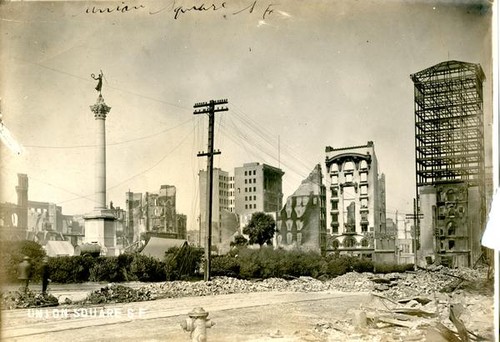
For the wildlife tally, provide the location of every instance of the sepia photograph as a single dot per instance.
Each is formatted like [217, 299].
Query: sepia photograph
[249, 170]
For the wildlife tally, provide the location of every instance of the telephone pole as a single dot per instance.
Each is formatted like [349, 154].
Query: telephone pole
[210, 109]
[416, 216]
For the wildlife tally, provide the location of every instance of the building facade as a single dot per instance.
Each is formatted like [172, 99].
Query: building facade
[450, 162]
[257, 188]
[356, 203]
[153, 214]
[37, 221]
[224, 221]
[253, 187]
[301, 223]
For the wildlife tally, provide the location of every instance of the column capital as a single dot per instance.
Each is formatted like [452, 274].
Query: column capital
[100, 108]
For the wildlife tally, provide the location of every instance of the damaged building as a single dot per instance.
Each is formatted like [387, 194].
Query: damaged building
[42, 222]
[356, 204]
[301, 223]
[450, 162]
[153, 214]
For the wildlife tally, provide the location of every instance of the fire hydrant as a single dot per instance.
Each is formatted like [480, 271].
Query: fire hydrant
[197, 324]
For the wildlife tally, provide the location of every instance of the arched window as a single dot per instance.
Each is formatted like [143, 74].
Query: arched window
[349, 242]
[349, 166]
[14, 219]
[364, 243]
[335, 244]
[450, 195]
[451, 228]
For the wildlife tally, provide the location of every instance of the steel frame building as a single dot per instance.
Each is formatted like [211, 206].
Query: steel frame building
[449, 124]
[450, 161]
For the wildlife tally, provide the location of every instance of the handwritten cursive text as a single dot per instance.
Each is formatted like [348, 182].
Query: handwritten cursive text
[120, 9]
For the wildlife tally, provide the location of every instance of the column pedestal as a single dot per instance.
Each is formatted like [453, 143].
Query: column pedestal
[100, 227]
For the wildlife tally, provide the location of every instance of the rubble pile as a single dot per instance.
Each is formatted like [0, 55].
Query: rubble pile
[437, 304]
[225, 285]
[113, 293]
[393, 285]
[426, 282]
[459, 316]
[20, 300]
[352, 282]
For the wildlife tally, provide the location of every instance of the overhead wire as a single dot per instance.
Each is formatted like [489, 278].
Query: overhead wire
[111, 143]
[137, 174]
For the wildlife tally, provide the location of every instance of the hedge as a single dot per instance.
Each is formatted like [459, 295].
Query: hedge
[185, 262]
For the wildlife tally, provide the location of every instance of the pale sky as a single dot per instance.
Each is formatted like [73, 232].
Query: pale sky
[309, 75]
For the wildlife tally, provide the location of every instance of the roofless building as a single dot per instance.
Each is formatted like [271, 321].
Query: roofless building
[449, 159]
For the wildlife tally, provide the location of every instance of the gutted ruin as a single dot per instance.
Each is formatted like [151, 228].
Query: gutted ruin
[450, 162]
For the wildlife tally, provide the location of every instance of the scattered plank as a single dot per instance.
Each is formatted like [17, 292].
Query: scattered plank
[455, 311]
[384, 297]
[420, 300]
[415, 312]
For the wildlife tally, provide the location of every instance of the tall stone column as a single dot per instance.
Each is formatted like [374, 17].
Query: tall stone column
[100, 224]
[100, 110]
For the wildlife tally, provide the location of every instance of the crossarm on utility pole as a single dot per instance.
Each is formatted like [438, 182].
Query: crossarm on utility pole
[210, 109]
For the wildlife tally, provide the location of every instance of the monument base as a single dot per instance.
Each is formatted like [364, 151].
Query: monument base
[100, 227]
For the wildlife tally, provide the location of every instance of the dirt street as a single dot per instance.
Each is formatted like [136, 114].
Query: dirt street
[276, 316]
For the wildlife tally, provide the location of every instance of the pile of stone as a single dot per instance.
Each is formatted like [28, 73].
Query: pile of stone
[352, 282]
[426, 282]
[393, 285]
[113, 293]
[29, 299]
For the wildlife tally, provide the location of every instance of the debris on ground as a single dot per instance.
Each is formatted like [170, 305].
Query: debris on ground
[431, 304]
[29, 299]
[114, 293]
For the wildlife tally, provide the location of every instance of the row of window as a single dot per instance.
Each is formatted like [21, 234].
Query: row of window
[251, 206]
[349, 178]
[225, 193]
[225, 178]
[250, 172]
[250, 189]
[289, 239]
[349, 243]
[349, 166]
[251, 180]
[249, 198]
[335, 228]
[363, 203]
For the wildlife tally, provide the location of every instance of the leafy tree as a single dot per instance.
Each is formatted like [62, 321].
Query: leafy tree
[239, 240]
[260, 229]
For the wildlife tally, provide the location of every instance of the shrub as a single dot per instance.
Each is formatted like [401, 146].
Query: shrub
[13, 252]
[335, 266]
[225, 265]
[362, 265]
[182, 262]
[74, 269]
[106, 269]
[248, 261]
[267, 262]
[145, 268]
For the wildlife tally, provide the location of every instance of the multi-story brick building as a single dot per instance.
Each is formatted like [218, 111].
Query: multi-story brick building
[254, 188]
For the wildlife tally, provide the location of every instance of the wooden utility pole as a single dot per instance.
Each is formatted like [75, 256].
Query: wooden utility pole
[210, 109]
[416, 216]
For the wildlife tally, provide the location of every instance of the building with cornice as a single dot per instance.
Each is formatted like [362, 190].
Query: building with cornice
[356, 204]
